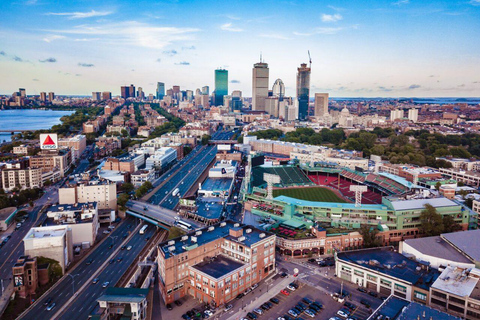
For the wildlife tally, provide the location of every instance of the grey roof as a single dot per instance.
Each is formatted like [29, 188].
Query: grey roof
[124, 295]
[217, 184]
[437, 247]
[466, 241]
[415, 310]
[420, 203]
[218, 266]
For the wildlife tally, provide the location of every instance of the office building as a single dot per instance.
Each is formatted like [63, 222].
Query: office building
[122, 303]
[140, 93]
[321, 104]
[96, 96]
[221, 85]
[51, 96]
[216, 263]
[48, 160]
[206, 90]
[278, 89]
[25, 276]
[103, 192]
[54, 242]
[13, 176]
[161, 159]
[260, 73]
[106, 95]
[43, 96]
[303, 90]
[128, 92]
[160, 90]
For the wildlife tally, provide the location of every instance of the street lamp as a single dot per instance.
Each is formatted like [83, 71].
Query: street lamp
[73, 281]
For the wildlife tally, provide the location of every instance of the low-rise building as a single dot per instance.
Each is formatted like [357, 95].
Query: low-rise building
[161, 159]
[7, 216]
[12, 176]
[77, 144]
[122, 303]
[139, 177]
[103, 192]
[54, 242]
[25, 276]
[48, 160]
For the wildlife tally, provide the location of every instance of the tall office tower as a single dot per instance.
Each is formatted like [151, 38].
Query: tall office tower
[51, 96]
[128, 92]
[206, 90]
[396, 114]
[124, 92]
[131, 91]
[303, 90]
[413, 115]
[170, 92]
[43, 96]
[221, 85]
[176, 93]
[160, 90]
[189, 95]
[278, 89]
[106, 95]
[198, 92]
[23, 92]
[140, 93]
[259, 85]
[96, 96]
[321, 104]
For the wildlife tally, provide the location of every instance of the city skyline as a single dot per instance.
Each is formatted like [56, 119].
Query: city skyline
[373, 49]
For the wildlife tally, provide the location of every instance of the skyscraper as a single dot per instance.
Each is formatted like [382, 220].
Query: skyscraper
[206, 90]
[127, 92]
[259, 85]
[221, 85]
[106, 95]
[303, 90]
[23, 92]
[96, 96]
[131, 91]
[321, 104]
[160, 90]
[43, 96]
[278, 89]
[51, 96]
[413, 115]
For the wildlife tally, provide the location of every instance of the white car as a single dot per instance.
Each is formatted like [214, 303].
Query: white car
[342, 314]
[292, 313]
[258, 311]
[208, 313]
[228, 307]
[291, 288]
[129, 248]
[106, 231]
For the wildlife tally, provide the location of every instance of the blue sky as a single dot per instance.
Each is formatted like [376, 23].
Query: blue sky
[399, 48]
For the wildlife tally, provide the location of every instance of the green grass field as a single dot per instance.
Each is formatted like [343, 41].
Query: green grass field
[310, 194]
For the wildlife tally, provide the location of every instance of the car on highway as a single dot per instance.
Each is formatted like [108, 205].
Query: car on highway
[106, 231]
[48, 301]
[105, 284]
[110, 246]
[123, 247]
[119, 259]
[89, 261]
[51, 306]
[112, 261]
[129, 248]
[95, 280]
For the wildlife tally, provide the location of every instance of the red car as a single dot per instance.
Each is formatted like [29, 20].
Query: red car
[285, 292]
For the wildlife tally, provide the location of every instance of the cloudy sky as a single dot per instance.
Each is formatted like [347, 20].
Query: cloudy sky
[399, 48]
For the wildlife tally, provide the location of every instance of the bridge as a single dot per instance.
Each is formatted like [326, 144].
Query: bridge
[156, 215]
[16, 130]
[223, 142]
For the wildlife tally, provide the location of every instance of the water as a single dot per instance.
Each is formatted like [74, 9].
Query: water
[28, 119]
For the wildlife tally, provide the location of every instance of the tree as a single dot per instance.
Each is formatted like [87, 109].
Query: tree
[127, 187]
[47, 183]
[122, 200]
[449, 224]
[431, 221]
[438, 185]
[205, 139]
[370, 236]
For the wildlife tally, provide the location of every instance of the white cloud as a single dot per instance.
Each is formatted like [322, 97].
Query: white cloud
[133, 33]
[400, 2]
[331, 17]
[475, 2]
[81, 15]
[319, 31]
[229, 27]
[53, 38]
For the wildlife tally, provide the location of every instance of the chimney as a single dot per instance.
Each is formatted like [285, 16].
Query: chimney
[236, 232]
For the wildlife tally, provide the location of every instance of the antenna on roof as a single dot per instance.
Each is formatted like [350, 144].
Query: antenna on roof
[310, 58]
[260, 56]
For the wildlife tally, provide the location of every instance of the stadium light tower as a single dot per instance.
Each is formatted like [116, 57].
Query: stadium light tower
[358, 193]
[270, 179]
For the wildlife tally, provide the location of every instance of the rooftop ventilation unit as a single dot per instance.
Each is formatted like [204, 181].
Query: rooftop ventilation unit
[172, 248]
[198, 233]
[223, 224]
[184, 238]
[211, 228]
[242, 238]
[236, 225]
[248, 230]
[171, 242]
[262, 235]
[193, 239]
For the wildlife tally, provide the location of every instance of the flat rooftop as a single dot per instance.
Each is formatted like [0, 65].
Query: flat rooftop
[5, 213]
[218, 267]
[209, 208]
[456, 281]
[209, 234]
[463, 241]
[217, 184]
[73, 207]
[307, 203]
[420, 203]
[124, 295]
[437, 247]
[399, 309]
[393, 264]
[46, 232]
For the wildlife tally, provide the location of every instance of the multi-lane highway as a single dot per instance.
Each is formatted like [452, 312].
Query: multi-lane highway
[83, 273]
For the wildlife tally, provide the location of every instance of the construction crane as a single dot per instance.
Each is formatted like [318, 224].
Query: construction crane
[310, 58]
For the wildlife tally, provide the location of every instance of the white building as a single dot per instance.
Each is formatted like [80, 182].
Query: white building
[396, 114]
[413, 115]
[11, 177]
[162, 157]
[54, 242]
[139, 177]
[103, 192]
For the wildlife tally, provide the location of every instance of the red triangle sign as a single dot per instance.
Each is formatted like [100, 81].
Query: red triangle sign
[48, 141]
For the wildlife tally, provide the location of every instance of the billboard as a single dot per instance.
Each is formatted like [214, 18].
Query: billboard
[18, 280]
[224, 147]
[48, 141]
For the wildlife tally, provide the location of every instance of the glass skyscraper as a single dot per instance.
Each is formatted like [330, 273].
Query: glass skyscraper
[160, 90]
[221, 85]
[303, 90]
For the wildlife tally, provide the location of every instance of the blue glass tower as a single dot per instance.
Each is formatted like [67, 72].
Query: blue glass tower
[221, 85]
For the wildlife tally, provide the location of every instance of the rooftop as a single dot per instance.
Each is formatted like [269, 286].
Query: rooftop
[393, 264]
[218, 266]
[456, 281]
[307, 203]
[398, 179]
[463, 241]
[46, 232]
[5, 213]
[209, 208]
[205, 235]
[124, 295]
[217, 184]
[420, 203]
[437, 247]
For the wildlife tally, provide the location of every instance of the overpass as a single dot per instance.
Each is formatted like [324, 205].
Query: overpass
[223, 142]
[156, 215]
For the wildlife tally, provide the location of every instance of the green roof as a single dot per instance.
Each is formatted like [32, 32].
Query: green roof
[294, 224]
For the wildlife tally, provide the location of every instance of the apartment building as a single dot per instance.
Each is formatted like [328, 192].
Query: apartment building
[103, 192]
[25, 276]
[77, 144]
[13, 176]
[471, 178]
[241, 256]
[48, 160]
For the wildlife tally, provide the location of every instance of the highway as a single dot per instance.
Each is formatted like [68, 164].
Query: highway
[82, 273]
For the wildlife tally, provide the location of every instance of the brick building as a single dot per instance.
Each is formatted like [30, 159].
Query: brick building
[25, 278]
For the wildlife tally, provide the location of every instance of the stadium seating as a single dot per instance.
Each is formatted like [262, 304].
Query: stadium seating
[289, 176]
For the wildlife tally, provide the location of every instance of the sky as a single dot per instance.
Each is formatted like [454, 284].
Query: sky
[368, 48]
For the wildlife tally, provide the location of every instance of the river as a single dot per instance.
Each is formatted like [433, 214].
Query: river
[28, 119]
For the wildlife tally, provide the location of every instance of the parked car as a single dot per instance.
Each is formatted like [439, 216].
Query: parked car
[169, 307]
[285, 292]
[307, 301]
[350, 306]
[373, 293]
[309, 313]
[252, 316]
[255, 286]
[362, 289]
[228, 307]
[343, 312]
[178, 303]
[258, 311]
[365, 303]
[291, 287]
[283, 275]
[275, 300]
[293, 313]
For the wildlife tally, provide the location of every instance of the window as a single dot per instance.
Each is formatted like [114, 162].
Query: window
[372, 278]
[386, 283]
[420, 295]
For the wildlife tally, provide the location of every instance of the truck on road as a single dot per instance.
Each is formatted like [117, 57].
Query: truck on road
[175, 192]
